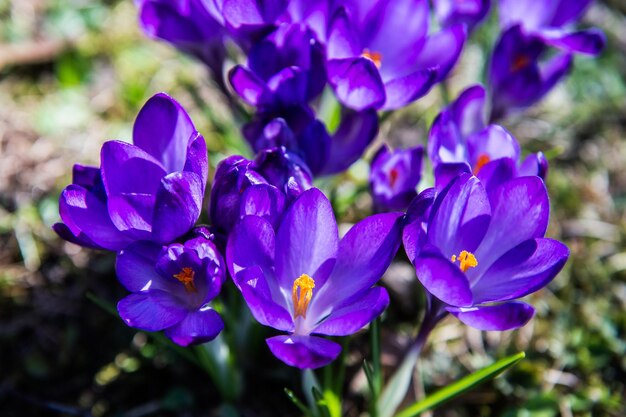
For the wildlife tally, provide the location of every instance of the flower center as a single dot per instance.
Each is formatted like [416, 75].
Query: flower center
[466, 260]
[483, 159]
[375, 57]
[301, 295]
[393, 176]
[185, 276]
[520, 62]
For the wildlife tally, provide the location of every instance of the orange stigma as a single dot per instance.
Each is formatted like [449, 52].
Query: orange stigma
[520, 62]
[466, 260]
[302, 298]
[483, 158]
[186, 278]
[393, 176]
[375, 57]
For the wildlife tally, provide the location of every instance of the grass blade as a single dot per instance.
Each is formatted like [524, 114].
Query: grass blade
[296, 401]
[461, 386]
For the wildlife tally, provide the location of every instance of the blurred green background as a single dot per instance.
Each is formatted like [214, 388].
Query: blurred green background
[74, 73]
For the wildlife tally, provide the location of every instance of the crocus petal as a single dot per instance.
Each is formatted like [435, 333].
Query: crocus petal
[251, 243]
[197, 327]
[356, 131]
[534, 164]
[532, 14]
[163, 129]
[241, 13]
[414, 233]
[129, 169]
[65, 233]
[507, 316]
[197, 158]
[497, 172]
[404, 90]
[315, 143]
[306, 242]
[494, 142]
[590, 41]
[520, 210]
[398, 45]
[442, 50]
[314, 14]
[135, 266]
[177, 207]
[448, 171]
[163, 21]
[554, 70]
[356, 82]
[443, 279]
[132, 214]
[267, 308]
[469, 110]
[87, 216]
[263, 200]
[352, 317]
[304, 352]
[249, 87]
[85, 176]
[521, 271]
[364, 255]
[342, 42]
[445, 142]
[568, 11]
[460, 216]
[470, 13]
[152, 310]
[289, 85]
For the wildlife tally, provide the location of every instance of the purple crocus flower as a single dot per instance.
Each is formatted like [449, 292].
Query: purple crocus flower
[284, 69]
[232, 178]
[171, 287]
[476, 253]
[461, 141]
[262, 187]
[151, 190]
[394, 176]
[304, 281]
[518, 75]
[283, 169]
[189, 25]
[468, 12]
[300, 132]
[380, 54]
[549, 20]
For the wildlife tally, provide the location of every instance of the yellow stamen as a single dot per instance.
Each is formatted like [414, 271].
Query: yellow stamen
[375, 57]
[186, 278]
[483, 159]
[466, 260]
[302, 298]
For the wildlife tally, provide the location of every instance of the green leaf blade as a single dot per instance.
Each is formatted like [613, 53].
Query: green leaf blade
[461, 386]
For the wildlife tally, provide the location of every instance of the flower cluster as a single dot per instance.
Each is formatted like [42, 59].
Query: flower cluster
[476, 238]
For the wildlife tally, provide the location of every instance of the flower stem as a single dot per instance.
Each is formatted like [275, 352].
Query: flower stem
[398, 385]
[377, 380]
[445, 93]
